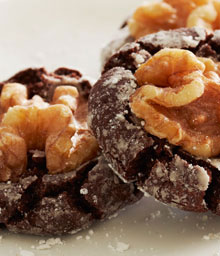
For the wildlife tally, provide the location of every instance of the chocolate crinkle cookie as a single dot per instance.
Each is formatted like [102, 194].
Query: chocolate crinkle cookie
[155, 113]
[53, 179]
[154, 16]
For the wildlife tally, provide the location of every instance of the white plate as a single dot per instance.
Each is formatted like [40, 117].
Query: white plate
[55, 33]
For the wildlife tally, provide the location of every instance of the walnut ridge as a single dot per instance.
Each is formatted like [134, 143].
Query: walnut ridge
[164, 15]
[62, 188]
[171, 14]
[179, 99]
[37, 125]
[175, 83]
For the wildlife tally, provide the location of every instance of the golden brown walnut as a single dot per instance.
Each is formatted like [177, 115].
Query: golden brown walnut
[179, 100]
[37, 125]
[170, 14]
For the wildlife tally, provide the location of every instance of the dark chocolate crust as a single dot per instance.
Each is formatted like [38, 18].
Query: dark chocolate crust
[44, 204]
[158, 168]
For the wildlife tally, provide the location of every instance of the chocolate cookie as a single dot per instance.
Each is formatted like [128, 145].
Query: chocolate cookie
[155, 114]
[53, 179]
[154, 16]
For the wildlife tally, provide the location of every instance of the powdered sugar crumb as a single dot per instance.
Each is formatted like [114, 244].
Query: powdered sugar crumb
[153, 215]
[120, 247]
[206, 237]
[83, 191]
[203, 179]
[142, 123]
[138, 58]
[91, 232]
[216, 35]
[211, 236]
[47, 244]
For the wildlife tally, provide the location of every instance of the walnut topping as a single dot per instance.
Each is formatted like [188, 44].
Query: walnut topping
[32, 124]
[170, 14]
[179, 100]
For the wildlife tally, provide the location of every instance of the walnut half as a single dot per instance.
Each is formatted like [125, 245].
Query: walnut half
[37, 125]
[170, 14]
[179, 100]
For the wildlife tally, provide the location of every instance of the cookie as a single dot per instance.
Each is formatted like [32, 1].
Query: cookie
[53, 179]
[155, 114]
[154, 16]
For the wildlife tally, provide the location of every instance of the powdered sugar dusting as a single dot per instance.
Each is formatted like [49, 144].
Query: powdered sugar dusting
[200, 173]
[120, 146]
[173, 39]
[179, 184]
[138, 59]
[203, 179]
[214, 162]
[216, 35]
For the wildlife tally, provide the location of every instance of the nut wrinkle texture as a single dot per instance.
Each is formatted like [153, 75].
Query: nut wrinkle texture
[37, 200]
[154, 16]
[179, 100]
[33, 124]
[164, 15]
[158, 167]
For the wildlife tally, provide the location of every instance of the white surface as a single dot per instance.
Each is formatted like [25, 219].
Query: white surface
[55, 33]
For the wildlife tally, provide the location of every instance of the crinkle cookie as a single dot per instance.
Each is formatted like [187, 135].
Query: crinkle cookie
[53, 179]
[153, 16]
[155, 112]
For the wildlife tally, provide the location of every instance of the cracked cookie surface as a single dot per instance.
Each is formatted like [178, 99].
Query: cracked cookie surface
[159, 167]
[154, 16]
[36, 198]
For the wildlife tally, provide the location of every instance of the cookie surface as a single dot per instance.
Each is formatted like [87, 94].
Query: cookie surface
[39, 201]
[152, 17]
[159, 168]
